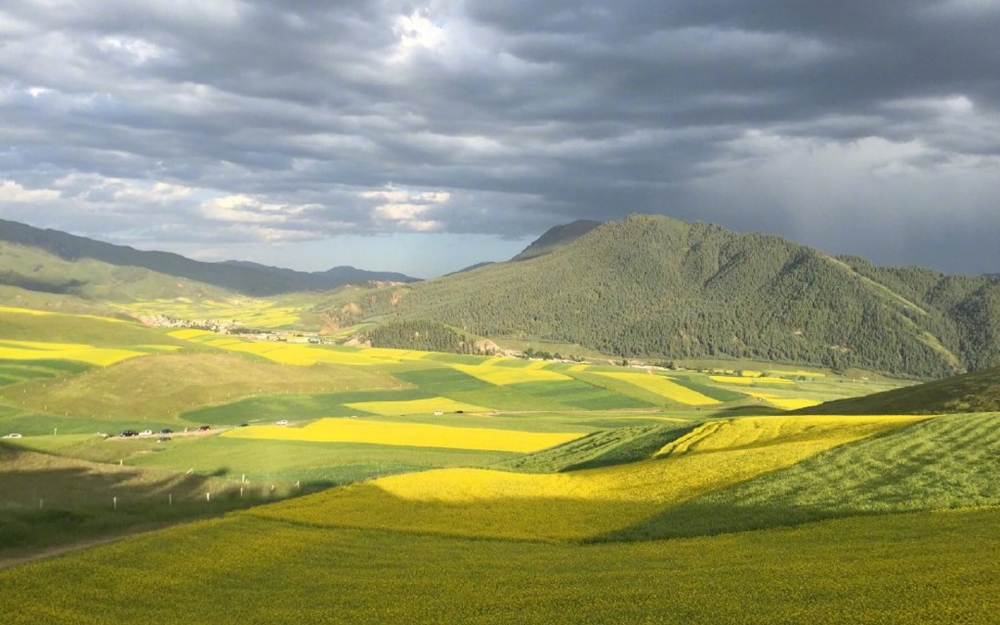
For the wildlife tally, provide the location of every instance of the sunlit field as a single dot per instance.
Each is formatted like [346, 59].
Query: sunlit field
[580, 504]
[664, 387]
[346, 430]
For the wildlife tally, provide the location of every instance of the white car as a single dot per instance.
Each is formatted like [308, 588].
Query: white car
[13, 435]
[282, 422]
[146, 433]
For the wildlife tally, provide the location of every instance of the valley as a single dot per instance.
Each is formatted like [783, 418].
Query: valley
[343, 440]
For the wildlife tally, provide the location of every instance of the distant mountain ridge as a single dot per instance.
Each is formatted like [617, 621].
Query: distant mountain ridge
[241, 276]
[659, 288]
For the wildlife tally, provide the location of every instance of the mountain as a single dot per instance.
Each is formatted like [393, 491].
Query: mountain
[971, 392]
[243, 277]
[556, 237]
[656, 287]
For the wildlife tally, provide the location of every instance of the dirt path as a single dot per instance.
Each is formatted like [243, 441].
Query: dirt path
[45, 553]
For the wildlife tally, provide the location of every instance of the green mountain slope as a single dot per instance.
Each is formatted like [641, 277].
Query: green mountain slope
[971, 392]
[651, 286]
[34, 269]
[244, 277]
[556, 237]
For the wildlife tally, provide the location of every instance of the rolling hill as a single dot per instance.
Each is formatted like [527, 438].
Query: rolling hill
[971, 392]
[656, 287]
[243, 277]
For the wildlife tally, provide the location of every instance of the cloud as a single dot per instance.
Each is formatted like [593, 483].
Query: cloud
[283, 121]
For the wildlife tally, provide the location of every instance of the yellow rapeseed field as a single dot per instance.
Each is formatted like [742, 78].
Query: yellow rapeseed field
[189, 334]
[580, 504]
[344, 430]
[503, 376]
[664, 387]
[785, 403]
[291, 353]
[23, 311]
[415, 406]
[34, 350]
[255, 313]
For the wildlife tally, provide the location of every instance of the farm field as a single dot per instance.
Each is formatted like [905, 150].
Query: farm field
[252, 312]
[585, 503]
[407, 435]
[913, 568]
[417, 467]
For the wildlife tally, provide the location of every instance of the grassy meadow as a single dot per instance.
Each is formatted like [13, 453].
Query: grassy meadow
[348, 484]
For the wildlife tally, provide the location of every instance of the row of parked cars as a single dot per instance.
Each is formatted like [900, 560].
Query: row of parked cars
[164, 434]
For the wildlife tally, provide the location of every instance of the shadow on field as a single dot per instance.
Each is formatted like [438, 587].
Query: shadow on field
[47, 500]
[746, 411]
[706, 518]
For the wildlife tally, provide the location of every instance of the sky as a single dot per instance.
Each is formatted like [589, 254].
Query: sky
[424, 137]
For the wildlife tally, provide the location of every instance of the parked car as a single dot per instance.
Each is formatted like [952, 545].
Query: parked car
[13, 435]
[166, 431]
[128, 433]
[281, 422]
[146, 433]
[204, 428]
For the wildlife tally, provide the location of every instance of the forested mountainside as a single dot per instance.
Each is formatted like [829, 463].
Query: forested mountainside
[656, 287]
[556, 237]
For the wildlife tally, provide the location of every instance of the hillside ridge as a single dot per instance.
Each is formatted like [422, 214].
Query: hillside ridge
[654, 287]
[241, 276]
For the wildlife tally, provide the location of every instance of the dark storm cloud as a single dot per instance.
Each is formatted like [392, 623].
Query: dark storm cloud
[226, 121]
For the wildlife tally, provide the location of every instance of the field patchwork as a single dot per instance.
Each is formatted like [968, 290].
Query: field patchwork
[415, 406]
[578, 505]
[347, 430]
[664, 387]
[506, 375]
[785, 403]
[749, 381]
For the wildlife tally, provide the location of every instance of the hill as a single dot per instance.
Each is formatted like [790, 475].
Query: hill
[656, 287]
[971, 392]
[243, 277]
[556, 237]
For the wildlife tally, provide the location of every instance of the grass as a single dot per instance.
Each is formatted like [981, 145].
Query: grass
[47, 327]
[48, 500]
[943, 462]
[509, 375]
[971, 392]
[664, 387]
[327, 464]
[620, 445]
[162, 386]
[918, 569]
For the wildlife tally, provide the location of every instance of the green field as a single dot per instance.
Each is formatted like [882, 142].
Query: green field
[916, 568]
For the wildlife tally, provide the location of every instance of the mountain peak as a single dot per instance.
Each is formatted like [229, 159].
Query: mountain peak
[556, 237]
